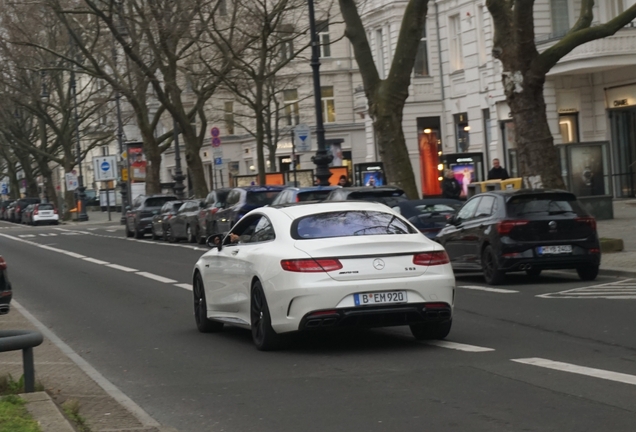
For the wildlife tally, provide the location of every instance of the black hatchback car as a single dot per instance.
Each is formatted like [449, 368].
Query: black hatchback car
[144, 208]
[5, 288]
[240, 201]
[522, 230]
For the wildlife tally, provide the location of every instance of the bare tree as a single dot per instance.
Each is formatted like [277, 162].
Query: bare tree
[524, 72]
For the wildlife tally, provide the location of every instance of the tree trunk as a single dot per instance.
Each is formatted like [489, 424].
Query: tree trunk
[195, 170]
[538, 157]
[153, 163]
[14, 184]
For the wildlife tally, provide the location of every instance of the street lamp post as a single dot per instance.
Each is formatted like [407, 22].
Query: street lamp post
[44, 97]
[81, 196]
[322, 159]
[179, 187]
[123, 185]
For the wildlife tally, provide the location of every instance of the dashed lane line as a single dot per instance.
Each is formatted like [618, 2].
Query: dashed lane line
[481, 288]
[26, 235]
[157, 277]
[184, 286]
[122, 268]
[458, 346]
[581, 370]
[96, 261]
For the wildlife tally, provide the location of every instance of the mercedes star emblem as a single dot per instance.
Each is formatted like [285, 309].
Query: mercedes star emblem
[378, 264]
[552, 225]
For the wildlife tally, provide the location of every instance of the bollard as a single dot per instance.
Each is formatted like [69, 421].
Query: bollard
[12, 340]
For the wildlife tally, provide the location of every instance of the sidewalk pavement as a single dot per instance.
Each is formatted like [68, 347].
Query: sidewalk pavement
[96, 217]
[66, 376]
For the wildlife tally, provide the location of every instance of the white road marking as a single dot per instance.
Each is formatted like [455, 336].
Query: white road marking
[26, 235]
[71, 254]
[157, 277]
[459, 346]
[481, 288]
[581, 370]
[111, 230]
[122, 268]
[620, 290]
[184, 286]
[96, 261]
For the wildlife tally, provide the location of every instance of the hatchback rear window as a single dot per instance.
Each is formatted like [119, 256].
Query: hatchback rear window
[348, 223]
[543, 205]
[45, 207]
[261, 198]
[159, 201]
[313, 195]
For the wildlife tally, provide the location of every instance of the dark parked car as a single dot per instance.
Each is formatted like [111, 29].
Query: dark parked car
[139, 217]
[20, 205]
[429, 215]
[27, 213]
[9, 212]
[298, 194]
[160, 220]
[389, 195]
[240, 201]
[215, 201]
[185, 223]
[5, 288]
[3, 209]
[522, 230]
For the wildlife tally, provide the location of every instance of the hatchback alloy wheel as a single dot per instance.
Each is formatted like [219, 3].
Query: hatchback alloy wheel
[492, 274]
[263, 335]
[204, 325]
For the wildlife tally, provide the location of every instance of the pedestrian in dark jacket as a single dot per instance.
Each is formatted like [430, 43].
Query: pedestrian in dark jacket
[450, 186]
[497, 172]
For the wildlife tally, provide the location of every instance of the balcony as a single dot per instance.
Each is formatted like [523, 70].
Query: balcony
[599, 55]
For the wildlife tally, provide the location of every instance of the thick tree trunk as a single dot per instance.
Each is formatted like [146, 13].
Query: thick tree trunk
[537, 155]
[195, 170]
[153, 163]
[14, 185]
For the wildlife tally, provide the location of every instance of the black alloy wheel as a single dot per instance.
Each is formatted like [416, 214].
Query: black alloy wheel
[204, 325]
[429, 331]
[263, 335]
[138, 234]
[168, 235]
[153, 233]
[129, 233]
[492, 274]
[587, 272]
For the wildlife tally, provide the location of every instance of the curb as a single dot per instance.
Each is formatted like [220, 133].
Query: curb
[617, 273]
[46, 412]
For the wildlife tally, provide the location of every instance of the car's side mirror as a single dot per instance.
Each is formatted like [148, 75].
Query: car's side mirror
[201, 204]
[452, 219]
[215, 241]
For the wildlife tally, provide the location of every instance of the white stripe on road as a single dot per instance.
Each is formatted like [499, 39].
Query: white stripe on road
[157, 277]
[458, 346]
[481, 288]
[111, 230]
[26, 235]
[184, 286]
[581, 370]
[96, 261]
[122, 268]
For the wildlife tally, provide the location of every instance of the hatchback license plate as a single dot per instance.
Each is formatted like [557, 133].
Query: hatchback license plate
[387, 297]
[554, 250]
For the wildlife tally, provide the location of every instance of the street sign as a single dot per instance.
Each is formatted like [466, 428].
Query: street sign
[71, 181]
[105, 168]
[215, 132]
[124, 174]
[4, 189]
[218, 161]
[217, 152]
[302, 138]
[216, 142]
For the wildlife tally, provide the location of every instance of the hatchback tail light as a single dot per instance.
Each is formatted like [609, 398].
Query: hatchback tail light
[54, 211]
[214, 210]
[311, 265]
[35, 211]
[590, 221]
[3, 264]
[431, 258]
[504, 227]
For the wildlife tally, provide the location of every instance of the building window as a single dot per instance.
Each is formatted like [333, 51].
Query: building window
[616, 7]
[481, 39]
[291, 107]
[560, 17]
[287, 41]
[222, 7]
[379, 52]
[328, 104]
[456, 46]
[322, 28]
[229, 117]
[462, 132]
[485, 114]
[569, 128]
[421, 58]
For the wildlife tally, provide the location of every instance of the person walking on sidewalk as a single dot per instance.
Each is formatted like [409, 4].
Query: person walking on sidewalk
[497, 172]
[450, 186]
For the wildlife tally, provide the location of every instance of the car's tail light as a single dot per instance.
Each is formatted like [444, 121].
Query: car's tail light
[323, 313]
[214, 210]
[3, 264]
[54, 211]
[431, 258]
[504, 227]
[35, 211]
[311, 265]
[590, 221]
[594, 250]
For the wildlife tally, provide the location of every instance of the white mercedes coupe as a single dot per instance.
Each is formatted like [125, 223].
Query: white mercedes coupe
[323, 265]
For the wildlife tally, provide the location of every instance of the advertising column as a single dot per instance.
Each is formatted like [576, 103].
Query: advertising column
[136, 169]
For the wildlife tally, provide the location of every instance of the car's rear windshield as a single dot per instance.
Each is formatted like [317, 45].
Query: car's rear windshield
[543, 205]
[45, 207]
[348, 223]
[158, 201]
[260, 198]
[317, 195]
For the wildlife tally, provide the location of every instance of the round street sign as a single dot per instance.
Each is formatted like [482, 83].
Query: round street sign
[105, 166]
[216, 142]
[215, 132]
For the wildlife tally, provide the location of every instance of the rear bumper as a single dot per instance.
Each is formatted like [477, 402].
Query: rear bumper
[515, 260]
[376, 316]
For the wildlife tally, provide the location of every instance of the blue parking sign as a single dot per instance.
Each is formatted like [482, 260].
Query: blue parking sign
[218, 161]
[4, 189]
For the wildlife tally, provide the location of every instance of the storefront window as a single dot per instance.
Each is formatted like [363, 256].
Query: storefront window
[430, 146]
[569, 127]
[462, 132]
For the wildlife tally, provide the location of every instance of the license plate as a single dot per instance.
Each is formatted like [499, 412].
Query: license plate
[554, 250]
[387, 297]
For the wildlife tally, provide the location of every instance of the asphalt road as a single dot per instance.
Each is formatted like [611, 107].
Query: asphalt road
[553, 354]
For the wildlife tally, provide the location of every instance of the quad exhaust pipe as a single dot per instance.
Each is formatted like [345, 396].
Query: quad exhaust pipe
[525, 266]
